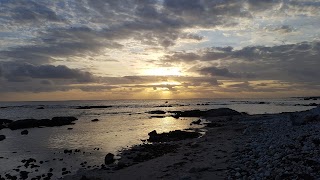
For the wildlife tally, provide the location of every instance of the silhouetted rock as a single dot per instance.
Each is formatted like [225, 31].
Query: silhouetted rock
[31, 123]
[176, 135]
[109, 158]
[2, 137]
[93, 107]
[156, 112]
[66, 151]
[24, 174]
[24, 132]
[208, 113]
[40, 108]
[95, 120]
[196, 122]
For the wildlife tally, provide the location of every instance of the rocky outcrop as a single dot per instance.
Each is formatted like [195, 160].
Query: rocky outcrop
[31, 123]
[208, 113]
[176, 135]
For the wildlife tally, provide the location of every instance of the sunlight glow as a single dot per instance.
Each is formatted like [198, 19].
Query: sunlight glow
[163, 71]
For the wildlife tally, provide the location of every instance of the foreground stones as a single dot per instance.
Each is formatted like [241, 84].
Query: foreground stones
[176, 135]
[279, 148]
[31, 123]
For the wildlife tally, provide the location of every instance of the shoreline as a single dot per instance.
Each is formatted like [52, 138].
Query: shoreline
[244, 147]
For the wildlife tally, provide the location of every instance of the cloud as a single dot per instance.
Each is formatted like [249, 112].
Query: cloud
[16, 72]
[224, 72]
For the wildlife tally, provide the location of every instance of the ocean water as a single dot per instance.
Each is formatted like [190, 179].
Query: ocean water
[122, 125]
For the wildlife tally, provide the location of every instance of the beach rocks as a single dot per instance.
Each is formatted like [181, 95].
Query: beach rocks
[109, 158]
[24, 132]
[2, 137]
[279, 151]
[176, 135]
[31, 123]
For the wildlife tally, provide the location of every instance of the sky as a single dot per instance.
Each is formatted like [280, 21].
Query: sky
[158, 49]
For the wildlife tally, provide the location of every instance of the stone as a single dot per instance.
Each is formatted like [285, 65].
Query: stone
[109, 158]
[2, 137]
[94, 120]
[24, 132]
[176, 135]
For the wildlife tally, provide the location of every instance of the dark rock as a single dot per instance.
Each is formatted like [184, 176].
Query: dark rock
[70, 128]
[208, 113]
[24, 132]
[40, 108]
[95, 120]
[176, 135]
[196, 122]
[24, 174]
[64, 169]
[2, 137]
[65, 172]
[66, 151]
[93, 107]
[109, 158]
[31, 123]
[156, 112]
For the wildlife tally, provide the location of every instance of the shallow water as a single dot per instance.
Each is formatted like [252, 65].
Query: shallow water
[121, 126]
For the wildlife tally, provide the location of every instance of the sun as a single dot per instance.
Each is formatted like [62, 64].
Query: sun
[163, 71]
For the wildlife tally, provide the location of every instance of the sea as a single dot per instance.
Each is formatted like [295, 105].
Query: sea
[122, 125]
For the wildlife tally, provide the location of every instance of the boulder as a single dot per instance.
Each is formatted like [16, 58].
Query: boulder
[2, 137]
[176, 135]
[109, 158]
[24, 132]
[95, 120]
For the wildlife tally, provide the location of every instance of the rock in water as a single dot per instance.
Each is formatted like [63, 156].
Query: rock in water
[95, 120]
[24, 132]
[109, 158]
[176, 135]
[2, 137]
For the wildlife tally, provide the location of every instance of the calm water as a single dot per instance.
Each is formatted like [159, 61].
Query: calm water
[121, 126]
